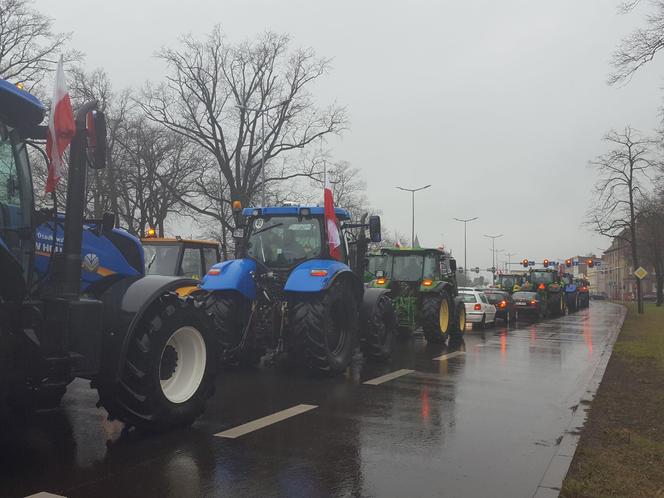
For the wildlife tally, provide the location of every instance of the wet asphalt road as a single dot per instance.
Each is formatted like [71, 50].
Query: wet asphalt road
[483, 422]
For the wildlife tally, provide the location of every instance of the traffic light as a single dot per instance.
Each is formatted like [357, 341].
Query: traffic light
[591, 263]
[525, 263]
[568, 263]
[546, 263]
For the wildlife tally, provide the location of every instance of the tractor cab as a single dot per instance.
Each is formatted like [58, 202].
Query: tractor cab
[415, 267]
[509, 282]
[179, 257]
[281, 238]
[376, 264]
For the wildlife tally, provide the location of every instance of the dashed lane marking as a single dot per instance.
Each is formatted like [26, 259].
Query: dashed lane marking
[44, 494]
[388, 377]
[254, 425]
[449, 355]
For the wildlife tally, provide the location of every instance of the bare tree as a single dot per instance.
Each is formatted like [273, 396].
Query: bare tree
[221, 96]
[29, 48]
[619, 190]
[642, 45]
[651, 237]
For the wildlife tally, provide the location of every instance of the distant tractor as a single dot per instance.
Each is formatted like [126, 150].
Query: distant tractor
[584, 292]
[179, 257]
[546, 282]
[510, 282]
[571, 292]
[422, 283]
[74, 300]
[288, 297]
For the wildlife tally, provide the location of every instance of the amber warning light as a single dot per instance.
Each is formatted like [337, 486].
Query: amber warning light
[152, 232]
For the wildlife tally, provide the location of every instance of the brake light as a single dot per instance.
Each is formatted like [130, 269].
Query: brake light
[502, 304]
[214, 271]
[381, 281]
[541, 286]
[477, 307]
[427, 283]
[534, 301]
[318, 273]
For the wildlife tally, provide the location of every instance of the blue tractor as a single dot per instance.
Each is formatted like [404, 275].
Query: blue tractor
[286, 296]
[74, 298]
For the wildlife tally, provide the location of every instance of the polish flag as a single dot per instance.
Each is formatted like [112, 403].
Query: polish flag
[61, 129]
[331, 224]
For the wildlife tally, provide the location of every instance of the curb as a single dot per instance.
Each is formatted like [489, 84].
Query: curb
[551, 483]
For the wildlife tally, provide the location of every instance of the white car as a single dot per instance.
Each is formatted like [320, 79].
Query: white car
[479, 311]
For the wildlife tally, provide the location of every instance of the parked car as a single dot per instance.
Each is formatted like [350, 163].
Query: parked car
[479, 311]
[502, 300]
[528, 304]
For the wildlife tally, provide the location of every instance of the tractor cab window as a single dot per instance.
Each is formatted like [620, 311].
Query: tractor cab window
[542, 277]
[431, 267]
[284, 241]
[192, 263]
[15, 190]
[407, 267]
[507, 281]
[377, 263]
[211, 257]
[161, 259]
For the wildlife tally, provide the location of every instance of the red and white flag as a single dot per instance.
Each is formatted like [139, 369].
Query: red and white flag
[331, 223]
[61, 129]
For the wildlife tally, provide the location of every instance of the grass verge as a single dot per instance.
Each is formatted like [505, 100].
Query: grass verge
[621, 451]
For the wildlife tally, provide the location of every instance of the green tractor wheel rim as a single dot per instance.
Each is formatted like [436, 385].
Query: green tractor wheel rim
[444, 316]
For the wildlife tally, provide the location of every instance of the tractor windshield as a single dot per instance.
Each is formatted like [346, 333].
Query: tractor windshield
[407, 267]
[542, 277]
[377, 263]
[161, 259]
[508, 281]
[283, 241]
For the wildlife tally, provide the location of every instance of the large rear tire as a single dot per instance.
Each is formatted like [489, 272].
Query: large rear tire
[167, 374]
[230, 314]
[380, 330]
[437, 317]
[324, 329]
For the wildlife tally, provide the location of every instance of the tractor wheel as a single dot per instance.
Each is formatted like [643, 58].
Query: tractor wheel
[572, 304]
[459, 321]
[324, 329]
[167, 374]
[230, 313]
[437, 317]
[378, 340]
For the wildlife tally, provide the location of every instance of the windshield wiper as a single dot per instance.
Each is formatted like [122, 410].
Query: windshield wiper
[267, 228]
[154, 256]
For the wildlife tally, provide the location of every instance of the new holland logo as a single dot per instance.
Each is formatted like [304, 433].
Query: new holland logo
[91, 263]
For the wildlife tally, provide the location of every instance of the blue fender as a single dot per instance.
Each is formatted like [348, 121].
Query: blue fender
[569, 288]
[235, 274]
[302, 280]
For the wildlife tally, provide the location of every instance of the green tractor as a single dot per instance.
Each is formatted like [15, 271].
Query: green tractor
[423, 287]
[547, 283]
[509, 282]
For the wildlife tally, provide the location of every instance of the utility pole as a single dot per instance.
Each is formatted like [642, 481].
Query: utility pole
[509, 259]
[493, 248]
[465, 250]
[412, 192]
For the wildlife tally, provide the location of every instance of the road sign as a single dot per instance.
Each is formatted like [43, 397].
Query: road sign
[641, 273]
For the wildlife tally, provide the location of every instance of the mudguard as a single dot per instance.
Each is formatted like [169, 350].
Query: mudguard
[124, 304]
[369, 301]
[569, 288]
[235, 274]
[301, 278]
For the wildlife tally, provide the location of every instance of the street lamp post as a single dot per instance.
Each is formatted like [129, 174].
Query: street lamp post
[412, 192]
[493, 248]
[262, 111]
[465, 252]
[509, 259]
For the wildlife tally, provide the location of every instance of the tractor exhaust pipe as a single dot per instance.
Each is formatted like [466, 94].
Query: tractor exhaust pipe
[67, 265]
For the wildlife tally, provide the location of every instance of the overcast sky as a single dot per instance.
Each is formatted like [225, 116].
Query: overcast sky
[498, 104]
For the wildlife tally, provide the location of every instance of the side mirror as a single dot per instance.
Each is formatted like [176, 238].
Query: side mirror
[453, 265]
[96, 126]
[374, 229]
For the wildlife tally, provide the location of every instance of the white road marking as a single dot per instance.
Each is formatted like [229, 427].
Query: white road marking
[389, 376]
[254, 425]
[449, 355]
[44, 494]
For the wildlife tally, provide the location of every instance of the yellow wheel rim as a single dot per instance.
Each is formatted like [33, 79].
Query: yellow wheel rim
[444, 316]
[462, 319]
